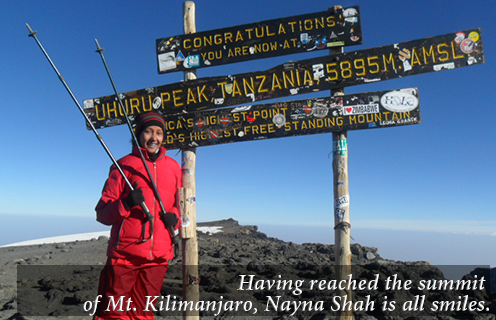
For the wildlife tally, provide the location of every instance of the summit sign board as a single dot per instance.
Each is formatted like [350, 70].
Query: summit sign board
[359, 111]
[449, 51]
[302, 33]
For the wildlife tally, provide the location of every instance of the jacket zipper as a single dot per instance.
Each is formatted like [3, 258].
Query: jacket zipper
[119, 234]
[154, 212]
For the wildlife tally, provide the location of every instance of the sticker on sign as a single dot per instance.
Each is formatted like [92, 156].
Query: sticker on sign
[399, 101]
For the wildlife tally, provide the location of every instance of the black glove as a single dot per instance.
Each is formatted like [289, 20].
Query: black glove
[170, 220]
[135, 198]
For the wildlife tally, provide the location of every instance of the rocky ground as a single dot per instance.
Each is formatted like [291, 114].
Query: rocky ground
[55, 280]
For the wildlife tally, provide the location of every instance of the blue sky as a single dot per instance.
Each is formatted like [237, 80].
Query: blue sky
[434, 178]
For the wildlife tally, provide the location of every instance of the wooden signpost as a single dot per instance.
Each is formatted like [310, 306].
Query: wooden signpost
[302, 33]
[342, 222]
[444, 52]
[187, 198]
[196, 110]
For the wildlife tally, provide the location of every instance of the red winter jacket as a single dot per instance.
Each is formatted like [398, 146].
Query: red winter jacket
[127, 223]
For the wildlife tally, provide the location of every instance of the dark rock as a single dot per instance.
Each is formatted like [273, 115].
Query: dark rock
[242, 250]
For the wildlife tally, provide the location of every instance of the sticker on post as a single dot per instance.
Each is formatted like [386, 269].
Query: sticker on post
[340, 147]
[340, 214]
[191, 200]
[185, 222]
[342, 202]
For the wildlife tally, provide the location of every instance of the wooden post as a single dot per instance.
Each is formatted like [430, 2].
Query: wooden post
[189, 240]
[342, 226]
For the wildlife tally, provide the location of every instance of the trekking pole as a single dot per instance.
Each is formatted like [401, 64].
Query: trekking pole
[88, 121]
[174, 233]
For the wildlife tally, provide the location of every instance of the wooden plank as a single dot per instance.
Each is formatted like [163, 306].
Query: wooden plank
[293, 118]
[432, 54]
[302, 33]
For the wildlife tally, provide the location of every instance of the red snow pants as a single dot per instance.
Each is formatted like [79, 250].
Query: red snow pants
[125, 287]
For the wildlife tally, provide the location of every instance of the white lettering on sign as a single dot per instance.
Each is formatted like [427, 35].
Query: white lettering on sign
[399, 101]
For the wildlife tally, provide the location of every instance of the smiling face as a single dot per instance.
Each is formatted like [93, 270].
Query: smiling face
[151, 138]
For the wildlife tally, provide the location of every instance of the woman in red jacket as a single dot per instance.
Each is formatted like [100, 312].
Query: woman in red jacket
[138, 254]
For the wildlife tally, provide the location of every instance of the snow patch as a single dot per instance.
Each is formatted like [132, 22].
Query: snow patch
[89, 236]
[209, 230]
[67, 238]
